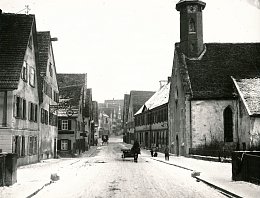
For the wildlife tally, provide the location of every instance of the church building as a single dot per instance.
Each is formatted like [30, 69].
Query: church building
[215, 89]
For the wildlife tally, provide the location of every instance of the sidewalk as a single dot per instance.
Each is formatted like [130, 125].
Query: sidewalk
[32, 178]
[215, 174]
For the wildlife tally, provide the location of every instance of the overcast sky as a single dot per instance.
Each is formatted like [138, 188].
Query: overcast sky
[126, 45]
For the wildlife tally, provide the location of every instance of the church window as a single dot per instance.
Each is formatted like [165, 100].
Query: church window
[228, 125]
[192, 25]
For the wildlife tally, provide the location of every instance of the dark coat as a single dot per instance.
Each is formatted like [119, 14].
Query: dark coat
[136, 148]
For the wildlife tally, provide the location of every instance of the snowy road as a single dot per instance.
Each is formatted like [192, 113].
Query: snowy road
[105, 174]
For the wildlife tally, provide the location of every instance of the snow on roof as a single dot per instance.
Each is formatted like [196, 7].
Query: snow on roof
[159, 98]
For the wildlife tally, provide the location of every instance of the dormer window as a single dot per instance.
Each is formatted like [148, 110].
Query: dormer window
[32, 77]
[192, 26]
[24, 71]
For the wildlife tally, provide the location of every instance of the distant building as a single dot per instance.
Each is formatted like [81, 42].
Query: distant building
[95, 118]
[136, 100]
[125, 116]
[74, 114]
[105, 125]
[114, 109]
[151, 120]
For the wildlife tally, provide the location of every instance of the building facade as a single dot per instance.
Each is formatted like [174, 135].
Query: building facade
[151, 120]
[20, 88]
[207, 107]
[49, 95]
[136, 100]
[74, 114]
[125, 117]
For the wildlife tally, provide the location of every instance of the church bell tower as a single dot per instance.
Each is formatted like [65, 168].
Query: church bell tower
[191, 32]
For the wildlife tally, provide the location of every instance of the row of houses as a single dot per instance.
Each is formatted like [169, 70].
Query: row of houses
[33, 123]
[211, 101]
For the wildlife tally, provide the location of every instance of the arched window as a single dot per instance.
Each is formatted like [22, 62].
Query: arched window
[192, 25]
[228, 125]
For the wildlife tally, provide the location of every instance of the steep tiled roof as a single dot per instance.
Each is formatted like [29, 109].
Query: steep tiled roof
[210, 77]
[70, 86]
[14, 35]
[43, 39]
[249, 90]
[139, 98]
[161, 97]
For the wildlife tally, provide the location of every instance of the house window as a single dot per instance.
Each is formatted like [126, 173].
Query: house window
[228, 125]
[64, 125]
[32, 77]
[19, 107]
[46, 115]
[56, 96]
[24, 71]
[33, 112]
[32, 145]
[35, 145]
[24, 109]
[23, 146]
[50, 70]
[64, 145]
[19, 145]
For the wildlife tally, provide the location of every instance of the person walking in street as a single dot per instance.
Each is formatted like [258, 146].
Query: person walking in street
[151, 151]
[135, 150]
[166, 152]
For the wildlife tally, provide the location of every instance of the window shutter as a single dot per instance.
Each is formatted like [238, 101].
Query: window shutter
[36, 113]
[69, 144]
[42, 116]
[59, 145]
[69, 124]
[14, 107]
[29, 111]
[18, 144]
[24, 109]
[59, 124]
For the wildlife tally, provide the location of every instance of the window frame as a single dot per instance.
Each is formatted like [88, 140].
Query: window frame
[24, 73]
[32, 77]
[64, 144]
[64, 124]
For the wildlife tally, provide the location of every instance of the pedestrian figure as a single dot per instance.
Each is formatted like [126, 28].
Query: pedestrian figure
[156, 150]
[166, 152]
[151, 152]
[135, 150]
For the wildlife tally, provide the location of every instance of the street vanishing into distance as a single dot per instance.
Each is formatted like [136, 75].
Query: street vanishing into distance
[105, 174]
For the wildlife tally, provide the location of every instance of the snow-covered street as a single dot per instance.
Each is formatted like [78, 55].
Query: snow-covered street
[103, 173]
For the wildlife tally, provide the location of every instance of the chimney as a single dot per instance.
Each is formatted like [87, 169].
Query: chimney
[191, 32]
